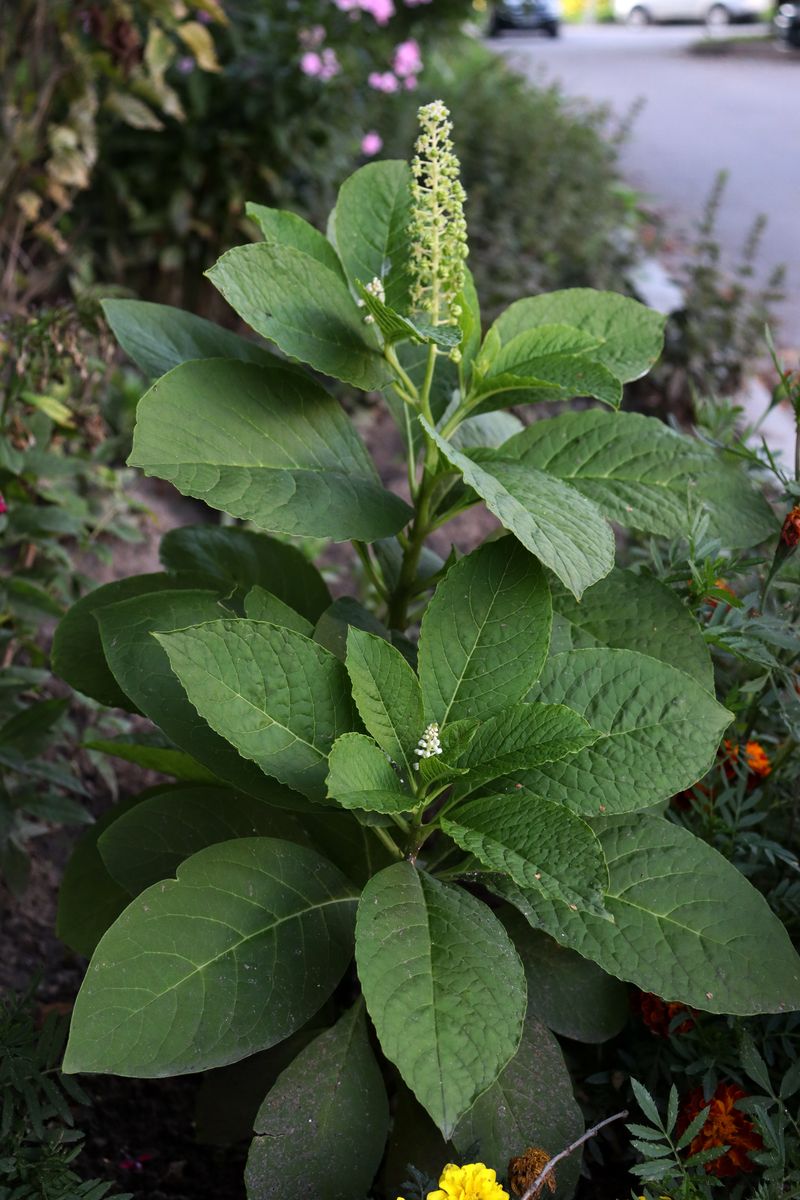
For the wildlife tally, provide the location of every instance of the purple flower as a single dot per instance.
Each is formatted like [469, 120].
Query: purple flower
[407, 59]
[383, 81]
[311, 64]
[185, 64]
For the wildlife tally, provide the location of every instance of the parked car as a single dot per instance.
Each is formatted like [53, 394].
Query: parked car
[544, 15]
[786, 24]
[713, 12]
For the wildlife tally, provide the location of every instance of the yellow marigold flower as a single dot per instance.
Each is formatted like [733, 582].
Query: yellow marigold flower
[474, 1181]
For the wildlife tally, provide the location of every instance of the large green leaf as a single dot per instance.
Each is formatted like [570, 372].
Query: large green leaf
[304, 307]
[141, 666]
[351, 846]
[228, 959]
[274, 694]
[662, 731]
[638, 471]
[550, 362]
[322, 1128]
[371, 228]
[688, 925]
[524, 735]
[569, 994]
[443, 985]
[551, 519]
[333, 628]
[485, 633]
[151, 753]
[387, 695]
[631, 336]
[261, 605]
[77, 655]
[361, 776]
[158, 337]
[538, 844]
[240, 558]
[89, 900]
[633, 612]
[284, 457]
[530, 1104]
[150, 842]
[288, 229]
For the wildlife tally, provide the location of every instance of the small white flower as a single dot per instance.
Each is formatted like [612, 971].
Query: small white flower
[376, 289]
[428, 745]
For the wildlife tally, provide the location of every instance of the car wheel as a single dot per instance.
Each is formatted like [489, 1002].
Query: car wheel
[552, 30]
[638, 17]
[718, 16]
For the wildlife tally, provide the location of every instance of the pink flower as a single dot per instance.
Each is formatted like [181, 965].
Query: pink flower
[410, 83]
[311, 64]
[407, 59]
[4, 506]
[330, 65]
[381, 10]
[383, 81]
[371, 144]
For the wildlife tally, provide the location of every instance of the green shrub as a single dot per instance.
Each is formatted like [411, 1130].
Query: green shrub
[464, 779]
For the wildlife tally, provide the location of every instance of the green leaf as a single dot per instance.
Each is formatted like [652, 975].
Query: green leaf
[89, 900]
[633, 612]
[488, 429]
[550, 362]
[636, 470]
[552, 520]
[240, 558]
[469, 323]
[631, 335]
[286, 458]
[275, 695]
[142, 668]
[150, 842]
[740, 515]
[387, 695]
[524, 735]
[158, 337]
[288, 229]
[322, 1128]
[661, 731]
[538, 844]
[77, 655]
[349, 845]
[485, 634]
[346, 613]
[443, 985]
[361, 776]
[530, 1104]
[230, 958]
[397, 328]
[370, 222]
[165, 759]
[570, 994]
[304, 307]
[688, 925]
[261, 605]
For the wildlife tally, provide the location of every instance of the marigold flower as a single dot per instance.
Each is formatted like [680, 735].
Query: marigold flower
[721, 586]
[658, 1014]
[790, 533]
[725, 1126]
[524, 1170]
[473, 1181]
[756, 758]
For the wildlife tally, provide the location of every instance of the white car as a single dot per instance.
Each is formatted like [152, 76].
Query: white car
[713, 12]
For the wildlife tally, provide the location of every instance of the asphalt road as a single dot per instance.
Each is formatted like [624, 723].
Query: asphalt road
[700, 115]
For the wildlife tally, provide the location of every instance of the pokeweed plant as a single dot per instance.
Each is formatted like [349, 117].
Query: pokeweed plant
[476, 811]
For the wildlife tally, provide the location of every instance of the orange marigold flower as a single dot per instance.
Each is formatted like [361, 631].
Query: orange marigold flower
[790, 533]
[725, 1126]
[756, 758]
[721, 586]
[658, 1014]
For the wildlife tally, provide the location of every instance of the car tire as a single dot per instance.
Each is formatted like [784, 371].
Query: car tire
[638, 17]
[718, 17]
[553, 29]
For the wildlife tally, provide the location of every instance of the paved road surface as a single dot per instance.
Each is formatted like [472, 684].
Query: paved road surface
[701, 114]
